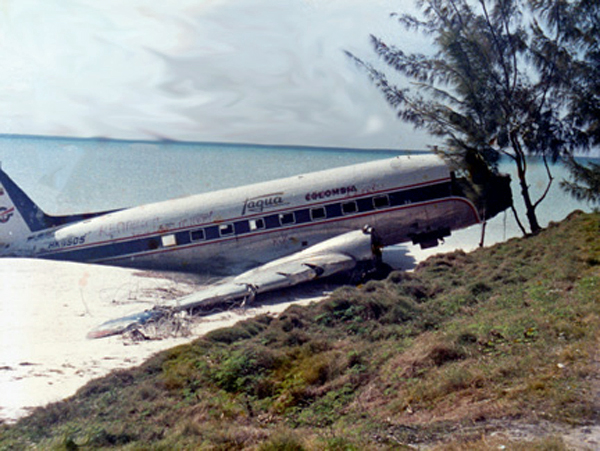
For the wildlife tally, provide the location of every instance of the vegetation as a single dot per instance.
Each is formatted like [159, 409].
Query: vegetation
[571, 38]
[463, 346]
[586, 181]
[509, 78]
[575, 47]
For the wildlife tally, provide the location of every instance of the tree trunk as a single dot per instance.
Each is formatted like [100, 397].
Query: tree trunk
[534, 225]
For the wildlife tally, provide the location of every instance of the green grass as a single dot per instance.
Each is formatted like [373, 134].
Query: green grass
[421, 357]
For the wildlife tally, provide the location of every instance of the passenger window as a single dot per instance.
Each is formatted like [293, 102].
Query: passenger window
[317, 213]
[226, 229]
[349, 208]
[168, 240]
[381, 201]
[287, 218]
[256, 224]
[197, 235]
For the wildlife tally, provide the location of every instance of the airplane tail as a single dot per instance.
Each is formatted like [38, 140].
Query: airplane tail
[19, 215]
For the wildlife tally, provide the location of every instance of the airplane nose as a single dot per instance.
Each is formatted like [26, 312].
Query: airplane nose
[497, 195]
[491, 194]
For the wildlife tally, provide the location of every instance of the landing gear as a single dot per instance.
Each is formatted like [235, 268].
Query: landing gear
[378, 270]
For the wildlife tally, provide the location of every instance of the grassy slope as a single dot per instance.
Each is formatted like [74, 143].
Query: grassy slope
[509, 332]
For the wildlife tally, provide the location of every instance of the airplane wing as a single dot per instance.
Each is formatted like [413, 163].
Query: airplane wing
[332, 256]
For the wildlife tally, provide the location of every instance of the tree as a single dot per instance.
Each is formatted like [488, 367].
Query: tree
[586, 184]
[576, 29]
[480, 90]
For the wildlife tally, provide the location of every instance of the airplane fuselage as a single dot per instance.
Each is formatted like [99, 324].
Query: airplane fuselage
[224, 232]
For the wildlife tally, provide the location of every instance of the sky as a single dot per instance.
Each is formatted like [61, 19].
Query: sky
[250, 71]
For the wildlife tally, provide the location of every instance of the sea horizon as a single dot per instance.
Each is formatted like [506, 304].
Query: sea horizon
[67, 175]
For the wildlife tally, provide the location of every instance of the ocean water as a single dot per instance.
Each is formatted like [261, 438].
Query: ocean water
[68, 175]
[74, 175]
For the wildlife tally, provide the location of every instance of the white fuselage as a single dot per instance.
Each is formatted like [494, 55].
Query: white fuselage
[226, 231]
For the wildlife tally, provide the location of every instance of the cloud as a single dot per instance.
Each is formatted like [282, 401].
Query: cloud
[262, 71]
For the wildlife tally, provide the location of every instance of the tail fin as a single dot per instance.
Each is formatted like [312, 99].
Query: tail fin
[17, 207]
[20, 216]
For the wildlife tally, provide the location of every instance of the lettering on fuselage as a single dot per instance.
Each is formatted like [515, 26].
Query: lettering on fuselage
[333, 192]
[123, 227]
[199, 219]
[262, 203]
[67, 242]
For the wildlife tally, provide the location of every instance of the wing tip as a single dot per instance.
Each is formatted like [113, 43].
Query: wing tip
[125, 324]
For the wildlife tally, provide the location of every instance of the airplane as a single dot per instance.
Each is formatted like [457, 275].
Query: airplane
[264, 236]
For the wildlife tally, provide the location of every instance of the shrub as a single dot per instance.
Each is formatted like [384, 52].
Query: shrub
[242, 370]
